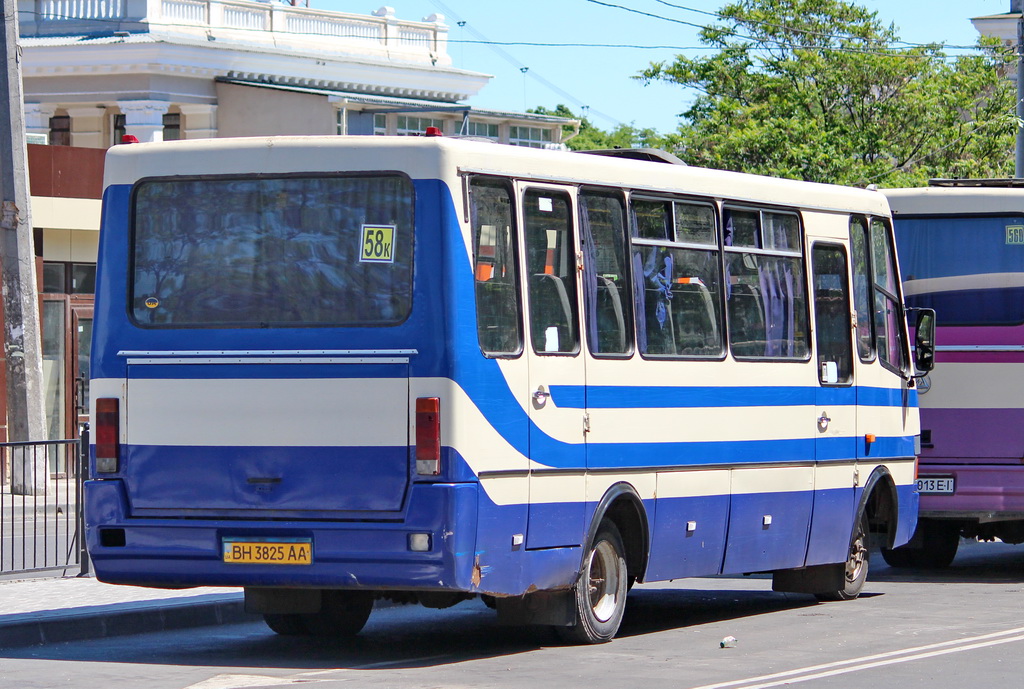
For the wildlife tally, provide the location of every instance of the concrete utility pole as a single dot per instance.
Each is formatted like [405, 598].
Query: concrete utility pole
[1019, 157]
[22, 348]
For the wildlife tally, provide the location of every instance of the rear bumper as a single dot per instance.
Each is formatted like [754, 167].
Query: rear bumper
[989, 492]
[181, 553]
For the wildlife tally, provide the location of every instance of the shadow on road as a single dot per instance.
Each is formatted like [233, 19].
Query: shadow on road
[975, 563]
[415, 637]
[406, 637]
[655, 610]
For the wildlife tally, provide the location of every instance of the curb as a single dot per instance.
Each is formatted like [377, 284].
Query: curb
[119, 619]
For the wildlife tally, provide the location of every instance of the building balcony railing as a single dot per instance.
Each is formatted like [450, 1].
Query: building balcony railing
[254, 21]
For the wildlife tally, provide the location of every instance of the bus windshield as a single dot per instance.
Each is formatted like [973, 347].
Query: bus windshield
[272, 252]
[966, 268]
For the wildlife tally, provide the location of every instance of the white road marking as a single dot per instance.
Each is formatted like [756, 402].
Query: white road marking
[245, 681]
[867, 662]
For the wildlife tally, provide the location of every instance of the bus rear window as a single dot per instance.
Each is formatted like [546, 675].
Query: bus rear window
[272, 252]
[966, 268]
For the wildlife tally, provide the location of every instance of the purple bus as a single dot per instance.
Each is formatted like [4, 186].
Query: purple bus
[961, 252]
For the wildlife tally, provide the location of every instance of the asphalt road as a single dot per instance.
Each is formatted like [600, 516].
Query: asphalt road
[961, 627]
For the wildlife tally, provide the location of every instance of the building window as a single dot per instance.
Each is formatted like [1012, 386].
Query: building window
[118, 128]
[484, 129]
[69, 278]
[417, 126]
[534, 137]
[380, 124]
[60, 130]
[172, 127]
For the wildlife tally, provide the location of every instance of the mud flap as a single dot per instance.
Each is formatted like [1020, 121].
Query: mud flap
[815, 579]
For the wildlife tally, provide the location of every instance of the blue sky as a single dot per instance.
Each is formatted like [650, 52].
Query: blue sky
[599, 78]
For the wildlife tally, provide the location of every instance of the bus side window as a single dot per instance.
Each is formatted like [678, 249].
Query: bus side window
[889, 335]
[832, 315]
[551, 267]
[765, 295]
[499, 327]
[677, 278]
[606, 292]
[862, 289]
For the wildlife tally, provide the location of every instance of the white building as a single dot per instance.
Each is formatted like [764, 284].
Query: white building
[96, 70]
[162, 69]
[1002, 26]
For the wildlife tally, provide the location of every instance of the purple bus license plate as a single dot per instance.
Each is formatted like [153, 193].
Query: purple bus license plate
[936, 485]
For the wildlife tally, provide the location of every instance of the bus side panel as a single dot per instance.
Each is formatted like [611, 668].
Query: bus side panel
[909, 503]
[768, 528]
[108, 331]
[834, 506]
[834, 512]
[503, 565]
[690, 524]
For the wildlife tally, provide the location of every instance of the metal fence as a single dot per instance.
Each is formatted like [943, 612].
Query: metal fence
[40, 521]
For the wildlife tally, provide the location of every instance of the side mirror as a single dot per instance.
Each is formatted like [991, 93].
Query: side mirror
[924, 341]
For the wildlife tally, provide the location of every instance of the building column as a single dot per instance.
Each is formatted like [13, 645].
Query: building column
[37, 118]
[144, 118]
[87, 126]
[199, 120]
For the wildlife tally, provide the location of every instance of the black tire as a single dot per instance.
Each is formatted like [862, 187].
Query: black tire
[286, 625]
[855, 569]
[599, 595]
[342, 613]
[939, 543]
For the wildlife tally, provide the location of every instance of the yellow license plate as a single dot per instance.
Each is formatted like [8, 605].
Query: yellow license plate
[268, 552]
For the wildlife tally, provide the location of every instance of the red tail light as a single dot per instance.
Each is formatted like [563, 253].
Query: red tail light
[428, 436]
[107, 430]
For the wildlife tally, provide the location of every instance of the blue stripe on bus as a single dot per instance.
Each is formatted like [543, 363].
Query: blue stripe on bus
[689, 397]
[729, 452]
[203, 464]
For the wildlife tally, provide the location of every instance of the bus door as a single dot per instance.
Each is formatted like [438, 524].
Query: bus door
[556, 403]
[835, 406]
[883, 397]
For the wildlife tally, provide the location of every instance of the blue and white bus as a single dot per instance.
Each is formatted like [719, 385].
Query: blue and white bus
[335, 370]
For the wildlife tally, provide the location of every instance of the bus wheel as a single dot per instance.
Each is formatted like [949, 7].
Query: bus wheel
[342, 613]
[856, 567]
[600, 592]
[285, 625]
[939, 542]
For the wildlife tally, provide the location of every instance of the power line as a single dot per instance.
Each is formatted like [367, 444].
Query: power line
[525, 69]
[778, 42]
[896, 53]
[719, 15]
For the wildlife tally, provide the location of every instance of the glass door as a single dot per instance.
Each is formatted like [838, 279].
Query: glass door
[66, 343]
[55, 346]
[81, 344]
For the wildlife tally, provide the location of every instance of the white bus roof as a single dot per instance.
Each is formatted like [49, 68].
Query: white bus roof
[954, 200]
[436, 157]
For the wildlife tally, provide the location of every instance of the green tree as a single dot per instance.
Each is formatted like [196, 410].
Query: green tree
[592, 138]
[821, 90]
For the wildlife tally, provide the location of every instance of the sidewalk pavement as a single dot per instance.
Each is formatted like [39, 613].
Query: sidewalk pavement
[48, 610]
